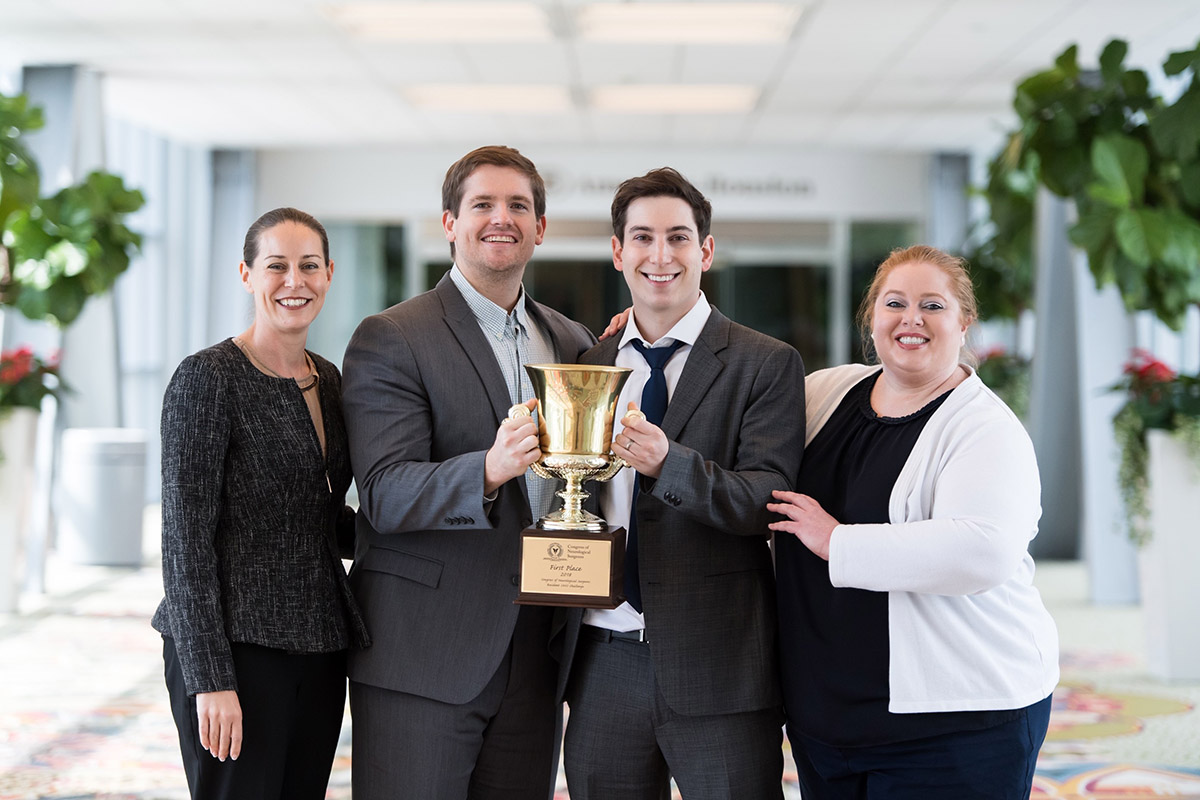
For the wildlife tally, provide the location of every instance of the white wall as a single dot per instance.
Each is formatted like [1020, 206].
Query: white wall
[392, 184]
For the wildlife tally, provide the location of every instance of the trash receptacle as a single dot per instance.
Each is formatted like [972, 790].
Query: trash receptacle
[101, 491]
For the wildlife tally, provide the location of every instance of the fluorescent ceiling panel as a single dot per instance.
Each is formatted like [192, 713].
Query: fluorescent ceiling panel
[674, 99]
[470, 98]
[443, 22]
[688, 23]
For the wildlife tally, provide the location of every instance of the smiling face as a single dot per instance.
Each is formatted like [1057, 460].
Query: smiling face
[496, 227]
[662, 258]
[288, 279]
[917, 324]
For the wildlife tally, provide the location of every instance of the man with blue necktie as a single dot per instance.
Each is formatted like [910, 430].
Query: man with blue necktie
[681, 680]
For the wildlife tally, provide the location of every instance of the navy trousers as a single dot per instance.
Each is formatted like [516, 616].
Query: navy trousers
[995, 763]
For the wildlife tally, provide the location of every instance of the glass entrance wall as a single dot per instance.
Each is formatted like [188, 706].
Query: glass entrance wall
[787, 301]
[870, 243]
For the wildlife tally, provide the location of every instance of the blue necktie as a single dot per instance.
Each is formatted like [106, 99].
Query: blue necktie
[654, 406]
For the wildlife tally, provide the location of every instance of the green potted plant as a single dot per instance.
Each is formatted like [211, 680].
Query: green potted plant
[57, 251]
[1127, 159]
[25, 380]
[1156, 398]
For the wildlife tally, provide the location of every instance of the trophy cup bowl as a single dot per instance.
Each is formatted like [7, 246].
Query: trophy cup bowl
[571, 556]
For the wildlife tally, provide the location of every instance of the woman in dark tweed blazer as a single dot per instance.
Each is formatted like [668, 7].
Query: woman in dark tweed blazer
[258, 614]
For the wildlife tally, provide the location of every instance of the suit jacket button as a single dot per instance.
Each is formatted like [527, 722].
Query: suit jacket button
[516, 580]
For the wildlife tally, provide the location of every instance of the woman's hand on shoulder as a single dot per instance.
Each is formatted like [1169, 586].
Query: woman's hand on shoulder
[219, 718]
[616, 323]
[806, 520]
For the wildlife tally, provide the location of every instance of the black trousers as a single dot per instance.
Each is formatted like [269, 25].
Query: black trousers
[292, 707]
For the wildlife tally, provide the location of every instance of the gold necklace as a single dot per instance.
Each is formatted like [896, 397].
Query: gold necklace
[305, 383]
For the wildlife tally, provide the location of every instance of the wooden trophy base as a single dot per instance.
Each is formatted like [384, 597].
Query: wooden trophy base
[572, 568]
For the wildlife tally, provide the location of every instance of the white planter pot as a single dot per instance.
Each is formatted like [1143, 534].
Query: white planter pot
[18, 437]
[1170, 560]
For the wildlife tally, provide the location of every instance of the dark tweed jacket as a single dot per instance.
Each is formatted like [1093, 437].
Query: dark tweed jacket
[252, 529]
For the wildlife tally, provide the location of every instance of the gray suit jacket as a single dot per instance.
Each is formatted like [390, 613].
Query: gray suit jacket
[435, 573]
[736, 425]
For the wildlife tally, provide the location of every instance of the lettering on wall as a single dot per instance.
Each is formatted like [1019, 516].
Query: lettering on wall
[712, 186]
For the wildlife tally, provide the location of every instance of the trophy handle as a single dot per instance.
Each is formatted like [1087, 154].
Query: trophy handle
[614, 466]
[518, 411]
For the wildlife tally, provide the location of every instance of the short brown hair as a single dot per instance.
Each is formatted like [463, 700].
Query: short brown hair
[955, 269]
[661, 182]
[496, 156]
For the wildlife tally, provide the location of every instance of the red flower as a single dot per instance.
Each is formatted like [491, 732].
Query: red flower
[1145, 368]
[23, 378]
[16, 364]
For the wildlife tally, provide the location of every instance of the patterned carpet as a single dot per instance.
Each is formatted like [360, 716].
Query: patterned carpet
[83, 711]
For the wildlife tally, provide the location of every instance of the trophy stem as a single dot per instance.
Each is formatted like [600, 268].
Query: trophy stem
[573, 496]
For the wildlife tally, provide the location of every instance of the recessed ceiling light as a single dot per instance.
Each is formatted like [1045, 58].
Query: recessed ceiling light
[674, 99]
[723, 23]
[443, 22]
[471, 98]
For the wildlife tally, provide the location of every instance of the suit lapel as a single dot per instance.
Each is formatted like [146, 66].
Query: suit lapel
[702, 368]
[604, 353]
[465, 327]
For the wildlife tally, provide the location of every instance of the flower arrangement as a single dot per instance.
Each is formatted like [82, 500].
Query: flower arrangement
[25, 378]
[1008, 375]
[1156, 398]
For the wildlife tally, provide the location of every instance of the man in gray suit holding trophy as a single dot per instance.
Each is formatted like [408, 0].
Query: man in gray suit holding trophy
[682, 679]
[456, 697]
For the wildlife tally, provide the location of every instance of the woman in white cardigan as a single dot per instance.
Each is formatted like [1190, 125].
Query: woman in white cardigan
[918, 659]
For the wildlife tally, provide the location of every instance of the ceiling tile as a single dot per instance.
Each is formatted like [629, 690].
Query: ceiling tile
[621, 63]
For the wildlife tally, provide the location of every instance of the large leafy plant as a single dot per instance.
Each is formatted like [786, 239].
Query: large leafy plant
[57, 251]
[1130, 162]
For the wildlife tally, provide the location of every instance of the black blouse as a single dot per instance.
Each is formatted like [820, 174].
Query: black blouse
[834, 641]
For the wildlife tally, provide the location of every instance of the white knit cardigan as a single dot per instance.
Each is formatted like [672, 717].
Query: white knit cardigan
[967, 629]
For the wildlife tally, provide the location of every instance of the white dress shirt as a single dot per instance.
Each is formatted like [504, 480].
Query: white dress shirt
[616, 495]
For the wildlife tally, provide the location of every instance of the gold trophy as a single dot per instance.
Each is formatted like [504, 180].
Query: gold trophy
[572, 557]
